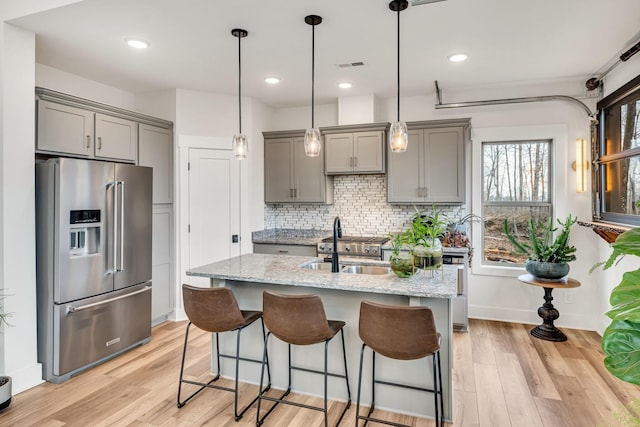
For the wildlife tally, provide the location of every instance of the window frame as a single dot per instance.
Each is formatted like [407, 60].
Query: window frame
[628, 91]
[516, 204]
[557, 134]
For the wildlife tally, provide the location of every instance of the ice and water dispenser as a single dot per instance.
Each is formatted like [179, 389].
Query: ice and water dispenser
[84, 229]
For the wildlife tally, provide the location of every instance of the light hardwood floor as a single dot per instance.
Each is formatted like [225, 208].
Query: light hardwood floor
[502, 377]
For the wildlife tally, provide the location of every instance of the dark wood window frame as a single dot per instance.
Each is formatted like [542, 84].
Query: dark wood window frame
[627, 92]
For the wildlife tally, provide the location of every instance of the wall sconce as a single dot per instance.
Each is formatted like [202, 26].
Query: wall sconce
[581, 165]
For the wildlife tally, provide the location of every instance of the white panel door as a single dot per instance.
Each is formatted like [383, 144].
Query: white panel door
[214, 207]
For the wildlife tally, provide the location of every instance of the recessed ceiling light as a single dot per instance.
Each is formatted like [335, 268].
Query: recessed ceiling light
[458, 57]
[344, 85]
[272, 80]
[137, 43]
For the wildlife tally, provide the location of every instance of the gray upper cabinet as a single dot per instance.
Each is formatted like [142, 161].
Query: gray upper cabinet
[289, 175]
[64, 129]
[155, 150]
[71, 130]
[432, 168]
[78, 127]
[116, 138]
[358, 152]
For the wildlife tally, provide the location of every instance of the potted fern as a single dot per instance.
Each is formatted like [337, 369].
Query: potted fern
[5, 381]
[548, 257]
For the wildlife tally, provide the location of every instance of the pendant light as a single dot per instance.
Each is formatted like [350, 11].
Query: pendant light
[240, 143]
[312, 145]
[398, 137]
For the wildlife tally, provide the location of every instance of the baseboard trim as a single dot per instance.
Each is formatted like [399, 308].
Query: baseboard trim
[530, 317]
[26, 378]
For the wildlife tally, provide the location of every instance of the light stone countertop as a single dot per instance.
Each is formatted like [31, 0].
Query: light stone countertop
[286, 270]
[286, 236]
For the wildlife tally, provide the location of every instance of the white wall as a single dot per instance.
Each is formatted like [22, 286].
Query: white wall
[19, 355]
[61, 81]
[300, 118]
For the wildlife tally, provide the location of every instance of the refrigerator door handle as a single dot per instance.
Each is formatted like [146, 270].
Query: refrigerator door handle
[115, 226]
[71, 309]
[121, 226]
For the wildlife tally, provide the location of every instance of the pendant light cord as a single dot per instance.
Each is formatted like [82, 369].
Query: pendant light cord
[313, 75]
[398, 63]
[239, 86]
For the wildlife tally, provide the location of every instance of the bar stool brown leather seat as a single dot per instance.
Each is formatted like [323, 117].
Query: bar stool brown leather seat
[402, 333]
[216, 310]
[301, 320]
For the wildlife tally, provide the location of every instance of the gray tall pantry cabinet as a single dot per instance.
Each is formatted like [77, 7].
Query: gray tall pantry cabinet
[432, 168]
[289, 175]
[69, 126]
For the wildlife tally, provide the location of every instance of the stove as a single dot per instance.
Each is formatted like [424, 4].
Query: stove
[354, 246]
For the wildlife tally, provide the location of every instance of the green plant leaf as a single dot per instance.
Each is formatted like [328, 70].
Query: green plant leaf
[628, 243]
[627, 290]
[621, 344]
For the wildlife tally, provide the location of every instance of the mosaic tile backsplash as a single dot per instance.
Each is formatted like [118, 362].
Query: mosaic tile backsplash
[361, 203]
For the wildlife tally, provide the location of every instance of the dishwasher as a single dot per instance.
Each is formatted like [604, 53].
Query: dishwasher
[459, 305]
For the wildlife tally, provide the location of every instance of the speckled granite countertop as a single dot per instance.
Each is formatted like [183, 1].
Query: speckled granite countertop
[286, 270]
[287, 236]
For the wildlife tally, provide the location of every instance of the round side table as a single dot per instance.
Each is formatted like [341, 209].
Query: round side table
[548, 313]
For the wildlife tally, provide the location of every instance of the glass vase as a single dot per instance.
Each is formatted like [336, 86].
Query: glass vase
[428, 257]
[402, 264]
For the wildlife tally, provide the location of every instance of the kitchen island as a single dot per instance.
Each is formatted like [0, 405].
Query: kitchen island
[248, 275]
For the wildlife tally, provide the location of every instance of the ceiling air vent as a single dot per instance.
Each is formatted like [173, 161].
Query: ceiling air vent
[419, 2]
[351, 64]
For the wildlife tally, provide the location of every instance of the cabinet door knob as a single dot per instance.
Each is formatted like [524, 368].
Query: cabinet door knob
[88, 141]
[99, 143]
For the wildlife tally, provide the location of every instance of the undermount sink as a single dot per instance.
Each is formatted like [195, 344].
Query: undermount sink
[366, 269]
[317, 265]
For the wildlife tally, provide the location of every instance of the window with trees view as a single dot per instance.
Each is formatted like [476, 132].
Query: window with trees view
[516, 187]
[618, 185]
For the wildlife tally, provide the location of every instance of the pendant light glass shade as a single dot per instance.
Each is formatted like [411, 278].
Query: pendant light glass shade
[312, 141]
[398, 137]
[240, 144]
[312, 144]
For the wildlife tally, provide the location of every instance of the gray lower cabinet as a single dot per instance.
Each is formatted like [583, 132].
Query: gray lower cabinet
[275, 249]
[289, 175]
[432, 168]
[358, 152]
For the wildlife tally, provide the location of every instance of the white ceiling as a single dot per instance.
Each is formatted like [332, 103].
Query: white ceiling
[509, 41]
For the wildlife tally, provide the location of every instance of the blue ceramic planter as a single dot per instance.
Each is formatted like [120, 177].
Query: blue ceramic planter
[547, 270]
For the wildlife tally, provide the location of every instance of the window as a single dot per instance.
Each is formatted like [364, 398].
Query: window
[618, 184]
[516, 186]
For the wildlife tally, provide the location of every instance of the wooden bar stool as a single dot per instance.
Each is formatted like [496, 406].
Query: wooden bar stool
[301, 320]
[402, 333]
[216, 310]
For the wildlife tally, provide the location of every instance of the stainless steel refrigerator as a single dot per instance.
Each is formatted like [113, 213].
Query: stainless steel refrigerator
[93, 240]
